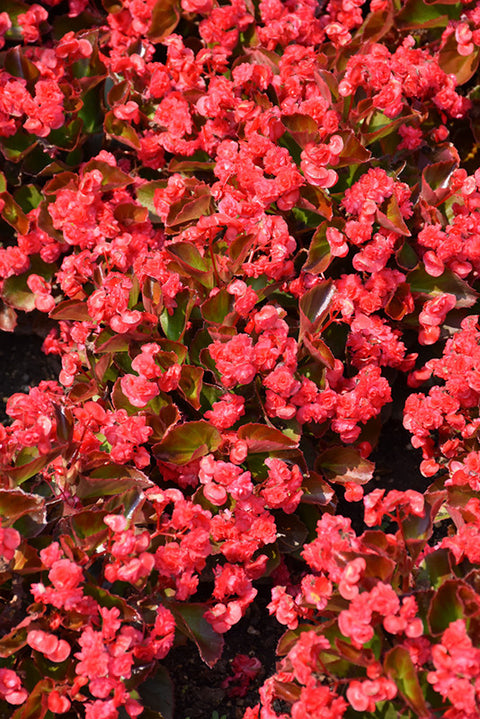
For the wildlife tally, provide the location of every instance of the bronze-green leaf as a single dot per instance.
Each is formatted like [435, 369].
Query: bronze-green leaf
[314, 306]
[262, 438]
[164, 19]
[191, 621]
[188, 441]
[400, 668]
[345, 464]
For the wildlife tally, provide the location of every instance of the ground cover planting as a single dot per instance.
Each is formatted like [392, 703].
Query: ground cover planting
[250, 234]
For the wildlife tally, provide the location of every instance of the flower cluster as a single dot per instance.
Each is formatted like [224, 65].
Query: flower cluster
[246, 230]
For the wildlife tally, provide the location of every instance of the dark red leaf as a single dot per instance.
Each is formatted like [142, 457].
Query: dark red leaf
[318, 350]
[314, 306]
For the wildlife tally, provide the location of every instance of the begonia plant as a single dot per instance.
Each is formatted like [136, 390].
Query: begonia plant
[247, 230]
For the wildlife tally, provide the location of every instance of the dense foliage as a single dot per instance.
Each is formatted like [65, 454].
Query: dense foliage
[245, 228]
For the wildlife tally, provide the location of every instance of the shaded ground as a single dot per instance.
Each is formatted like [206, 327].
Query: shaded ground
[198, 689]
[22, 365]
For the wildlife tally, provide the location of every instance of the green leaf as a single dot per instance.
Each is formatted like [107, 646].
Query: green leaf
[192, 166]
[17, 64]
[90, 489]
[406, 257]
[435, 176]
[437, 567]
[28, 197]
[188, 441]
[261, 438]
[14, 8]
[174, 349]
[189, 257]
[191, 621]
[378, 126]
[146, 192]
[88, 523]
[216, 308]
[416, 530]
[16, 147]
[62, 180]
[67, 137]
[239, 249]
[106, 342]
[345, 464]
[313, 205]
[15, 640]
[173, 323]
[400, 668]
[357, 656]
[163, 419]
[152, 297]
[388, 710]
[111, 480]
[417, 14]
[376, 26]
[106, 599]
[446, 606]
[91, 113]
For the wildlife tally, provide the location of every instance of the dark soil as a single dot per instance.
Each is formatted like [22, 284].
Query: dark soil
[198, 689]
[23, 365]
